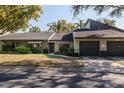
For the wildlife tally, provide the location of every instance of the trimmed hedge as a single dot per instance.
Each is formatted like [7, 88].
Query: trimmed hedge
[63, 50]
[36, 50]
[22, 49]
[45, 51]
[71, 53]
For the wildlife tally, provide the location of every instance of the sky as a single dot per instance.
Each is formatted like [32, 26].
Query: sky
[52, 13]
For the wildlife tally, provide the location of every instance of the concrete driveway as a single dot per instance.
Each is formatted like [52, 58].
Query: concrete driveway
[97, 72]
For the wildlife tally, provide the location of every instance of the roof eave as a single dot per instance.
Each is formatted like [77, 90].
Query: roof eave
[98, 37]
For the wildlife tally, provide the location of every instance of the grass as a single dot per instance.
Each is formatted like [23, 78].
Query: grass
[20, 57]
[40, 60]
[43, 64]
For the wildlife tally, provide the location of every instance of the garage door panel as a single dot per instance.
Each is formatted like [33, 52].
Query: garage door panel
[115, 48]
[89, 48]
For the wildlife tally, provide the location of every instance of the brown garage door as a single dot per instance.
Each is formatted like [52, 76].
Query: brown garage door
[89, 48]
[115, 48]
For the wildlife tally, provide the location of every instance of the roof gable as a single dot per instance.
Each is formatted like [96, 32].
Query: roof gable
[62, 37]
[95, 25]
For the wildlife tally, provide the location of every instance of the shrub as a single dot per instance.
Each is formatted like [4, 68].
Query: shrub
[22, 49]
[45, 50]
[7, 48]
[36, 50]
[63, 50]
[71, 50]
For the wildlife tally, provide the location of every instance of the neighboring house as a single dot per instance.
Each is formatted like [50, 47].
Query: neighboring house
[96, 39]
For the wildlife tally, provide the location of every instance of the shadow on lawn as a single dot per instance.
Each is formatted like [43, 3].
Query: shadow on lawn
[31, 77]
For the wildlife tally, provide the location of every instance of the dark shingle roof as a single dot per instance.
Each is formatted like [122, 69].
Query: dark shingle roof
[27, 36]
[82, 29]
[38, 36]
[96, 25]
[62, 37]
[99, 34]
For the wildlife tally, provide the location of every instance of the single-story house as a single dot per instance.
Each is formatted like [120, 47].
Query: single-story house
[96, 39]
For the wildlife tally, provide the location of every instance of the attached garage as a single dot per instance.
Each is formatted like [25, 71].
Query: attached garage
[89, 48]
[115, 48]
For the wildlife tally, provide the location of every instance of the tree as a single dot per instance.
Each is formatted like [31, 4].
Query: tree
[80, 24]
[113, 10]
[61, 26]
[17, 17]
[107, 21]
[34, 29]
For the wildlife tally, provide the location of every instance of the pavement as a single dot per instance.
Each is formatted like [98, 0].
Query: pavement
[97, 72]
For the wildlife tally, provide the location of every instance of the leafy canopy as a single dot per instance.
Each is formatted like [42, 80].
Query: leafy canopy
[80, 24]
[17, 17]
[34, 29]
[107, 21]
[112, 10]
[61, 26]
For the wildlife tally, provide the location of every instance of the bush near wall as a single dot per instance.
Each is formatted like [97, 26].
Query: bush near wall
[45, 51]
[71, 53]
[22, 49]
[7, 48]
[36, 50]
[1, 47]
[63, 50]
